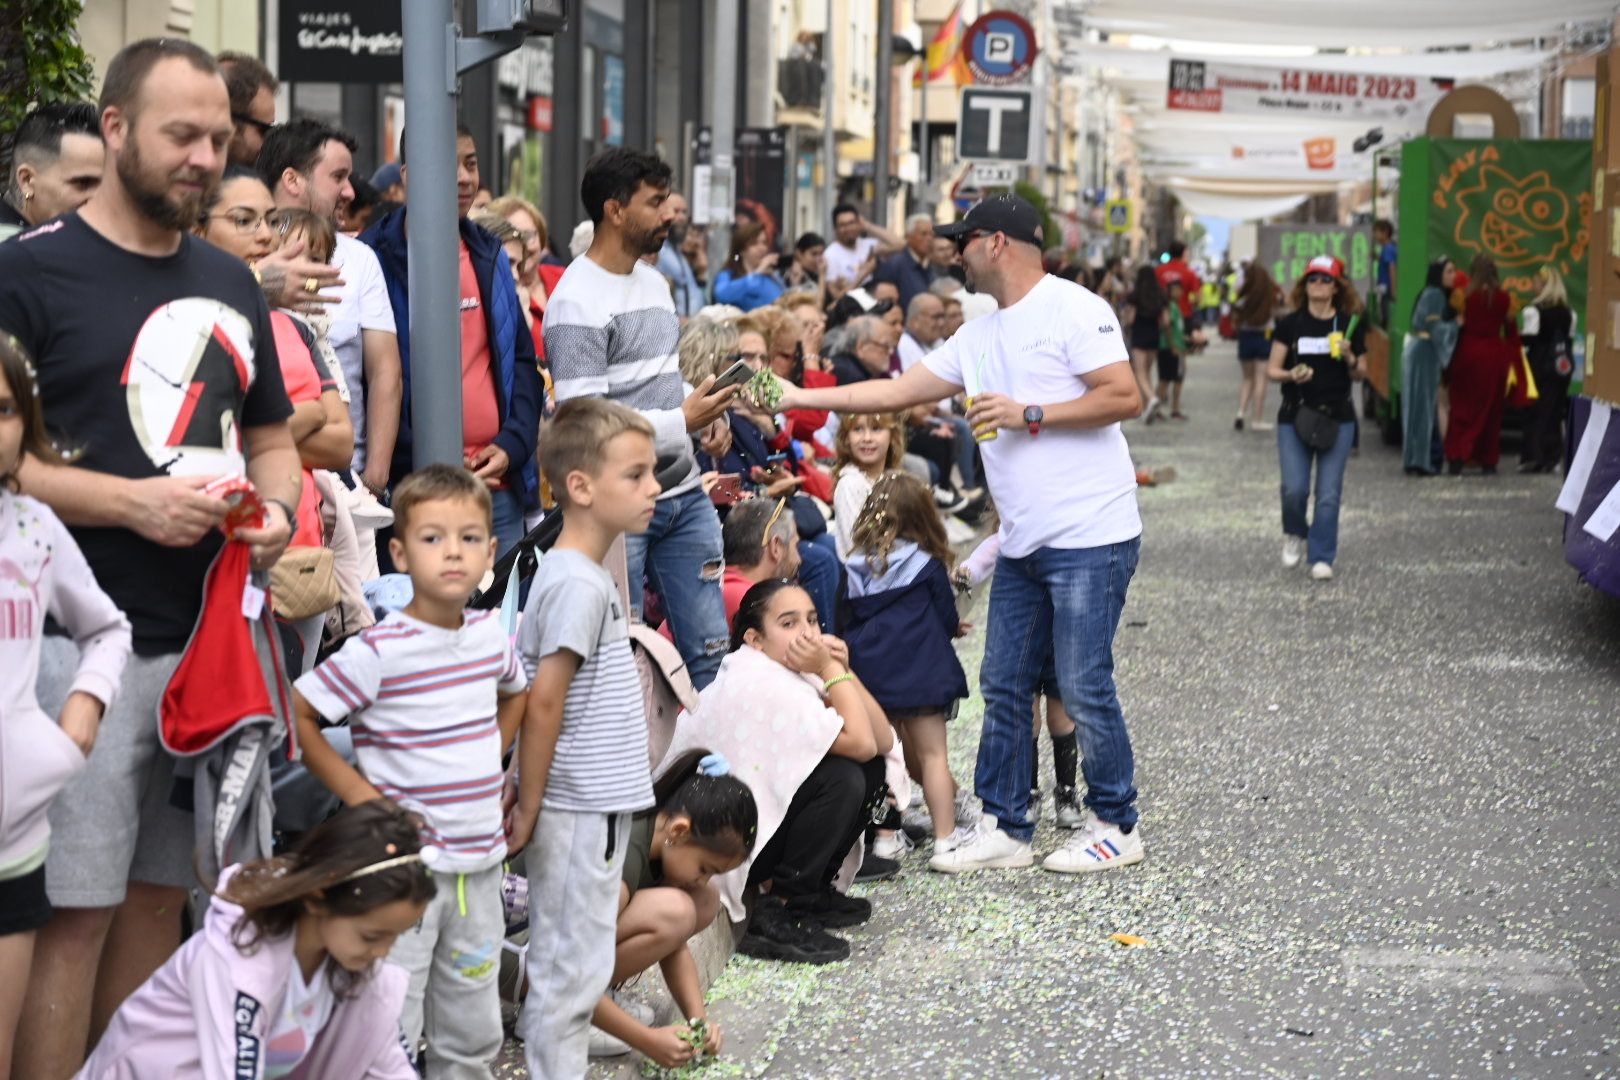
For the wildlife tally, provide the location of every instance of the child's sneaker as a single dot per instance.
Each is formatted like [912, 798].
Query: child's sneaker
[1098, 845]
[605, 1045]
[967, 809]
[1070, 814]
[895, 846]
[985, 847]
[953, 841]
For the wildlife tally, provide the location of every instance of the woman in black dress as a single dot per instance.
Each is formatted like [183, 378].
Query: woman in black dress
[1147, 315]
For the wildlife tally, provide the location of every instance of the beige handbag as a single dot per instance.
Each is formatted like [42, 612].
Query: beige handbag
[303, 582]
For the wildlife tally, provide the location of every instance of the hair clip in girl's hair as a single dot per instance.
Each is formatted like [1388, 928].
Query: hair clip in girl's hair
[427, 857]
[714, 765]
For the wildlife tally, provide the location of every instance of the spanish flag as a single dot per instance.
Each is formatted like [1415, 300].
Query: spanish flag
[942, 59]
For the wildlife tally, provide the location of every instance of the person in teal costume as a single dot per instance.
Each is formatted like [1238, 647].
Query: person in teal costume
[1429, 343]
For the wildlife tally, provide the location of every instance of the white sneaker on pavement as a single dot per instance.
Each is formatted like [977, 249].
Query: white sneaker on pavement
[896, 846]
[605, 1045]
[985, 847]
[967, 809]
[953, 841]
[1097, 845]
[1293, 551]
[1321, 571]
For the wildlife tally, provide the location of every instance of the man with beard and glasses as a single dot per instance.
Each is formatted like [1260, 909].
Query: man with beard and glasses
[309, 165]
[672, 263]
[56, 163]
[611, 331]
[168, 382]
[500, 379]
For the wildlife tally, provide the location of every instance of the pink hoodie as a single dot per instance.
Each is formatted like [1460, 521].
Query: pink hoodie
[42, 571]
[207, 1014]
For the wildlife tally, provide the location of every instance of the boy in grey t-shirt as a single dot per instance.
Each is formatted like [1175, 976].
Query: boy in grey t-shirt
[583, 757]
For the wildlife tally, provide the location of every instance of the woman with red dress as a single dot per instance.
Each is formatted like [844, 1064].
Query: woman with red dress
[1487, 347]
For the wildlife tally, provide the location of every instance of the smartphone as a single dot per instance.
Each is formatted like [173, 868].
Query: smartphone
[776, 460]
[735, 375]
[727, 490]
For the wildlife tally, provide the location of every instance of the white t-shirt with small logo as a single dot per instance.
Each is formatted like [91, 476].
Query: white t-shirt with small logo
[844, 264]
[1063, 488]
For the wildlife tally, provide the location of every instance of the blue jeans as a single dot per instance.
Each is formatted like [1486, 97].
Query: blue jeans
[508, 520]
[966, 451]
[1323, 531]
[1062, 603]
[820, 573]
[682, 556]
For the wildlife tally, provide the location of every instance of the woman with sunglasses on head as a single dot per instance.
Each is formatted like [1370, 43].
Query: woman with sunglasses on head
[1318, 351]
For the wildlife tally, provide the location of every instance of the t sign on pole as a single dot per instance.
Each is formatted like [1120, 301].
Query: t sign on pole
[995, 125]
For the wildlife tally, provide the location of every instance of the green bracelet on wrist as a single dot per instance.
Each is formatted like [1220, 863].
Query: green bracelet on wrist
[847, 676]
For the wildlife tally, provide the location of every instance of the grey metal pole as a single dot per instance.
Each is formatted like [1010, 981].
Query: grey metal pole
[885, 92]
[430, 202]
[723, 127]
[829, 137]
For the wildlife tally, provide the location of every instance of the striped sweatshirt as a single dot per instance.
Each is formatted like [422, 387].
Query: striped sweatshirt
[421, 701]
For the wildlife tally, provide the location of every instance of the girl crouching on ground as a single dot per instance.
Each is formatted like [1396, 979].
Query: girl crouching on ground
[703, 826]
[286, 978]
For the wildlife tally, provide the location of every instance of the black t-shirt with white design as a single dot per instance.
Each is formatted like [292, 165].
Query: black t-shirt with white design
[1310, 341]
[146, 367]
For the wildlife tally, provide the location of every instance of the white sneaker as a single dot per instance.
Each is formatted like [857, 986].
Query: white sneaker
[948, 500]
[1293, 551]
[1321, 571]
[605, 1045]
[967, 809]
[953, 841]
[1262, 425]
[1098, 845]
[985, 847]
[897, 846]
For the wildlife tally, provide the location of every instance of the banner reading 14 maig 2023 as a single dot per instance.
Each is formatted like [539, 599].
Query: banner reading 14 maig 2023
[1206, 86]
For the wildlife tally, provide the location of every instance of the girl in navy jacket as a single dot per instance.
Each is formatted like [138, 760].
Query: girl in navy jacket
[901, 622]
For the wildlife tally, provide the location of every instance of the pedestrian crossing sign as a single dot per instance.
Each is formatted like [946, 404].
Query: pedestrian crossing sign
[1119, 215]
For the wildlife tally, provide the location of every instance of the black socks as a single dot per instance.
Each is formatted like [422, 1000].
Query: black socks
[1065, 758]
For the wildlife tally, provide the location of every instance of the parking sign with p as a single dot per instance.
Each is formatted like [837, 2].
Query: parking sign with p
[1000, 48]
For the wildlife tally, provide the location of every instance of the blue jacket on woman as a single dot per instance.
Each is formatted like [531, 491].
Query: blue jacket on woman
[747, 291]
[511, 347]
[900, 628]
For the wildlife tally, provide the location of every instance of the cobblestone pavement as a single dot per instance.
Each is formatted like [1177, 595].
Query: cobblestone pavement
[1380, 815]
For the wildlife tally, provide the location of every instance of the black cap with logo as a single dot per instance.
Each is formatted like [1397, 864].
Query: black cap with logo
[1000, 213]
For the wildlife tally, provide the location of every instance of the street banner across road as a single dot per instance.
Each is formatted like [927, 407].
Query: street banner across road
[1204, 86]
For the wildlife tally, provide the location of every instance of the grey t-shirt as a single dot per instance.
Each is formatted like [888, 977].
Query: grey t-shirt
[601, 760]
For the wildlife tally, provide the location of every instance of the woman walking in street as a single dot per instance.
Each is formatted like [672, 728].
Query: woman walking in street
[1147, 318]
[1429, 344]
[1255, 317]
[1486, 348]
[1317, 353]
[1549, 333]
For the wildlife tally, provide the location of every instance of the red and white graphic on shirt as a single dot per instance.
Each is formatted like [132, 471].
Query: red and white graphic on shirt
[190, 367]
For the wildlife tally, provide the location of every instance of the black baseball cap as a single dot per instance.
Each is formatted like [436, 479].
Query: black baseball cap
[1000, 213]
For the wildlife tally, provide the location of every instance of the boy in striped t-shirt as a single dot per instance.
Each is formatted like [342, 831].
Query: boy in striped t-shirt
[434, 695]
[583, 768]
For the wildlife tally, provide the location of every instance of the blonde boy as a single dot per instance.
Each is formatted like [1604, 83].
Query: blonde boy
[583, 756]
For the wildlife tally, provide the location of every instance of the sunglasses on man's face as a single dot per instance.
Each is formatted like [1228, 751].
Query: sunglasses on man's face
[263, 128]
[966, 239]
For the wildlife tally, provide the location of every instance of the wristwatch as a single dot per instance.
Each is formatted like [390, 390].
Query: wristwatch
[1033, 415]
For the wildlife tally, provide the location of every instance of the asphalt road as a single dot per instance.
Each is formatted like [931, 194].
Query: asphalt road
[1382, 816]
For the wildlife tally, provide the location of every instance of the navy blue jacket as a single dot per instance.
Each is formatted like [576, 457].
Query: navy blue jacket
[900, 639]
[903, 270]
[511, 346]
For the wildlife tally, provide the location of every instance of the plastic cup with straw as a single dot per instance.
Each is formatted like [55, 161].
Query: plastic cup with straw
[973, 380]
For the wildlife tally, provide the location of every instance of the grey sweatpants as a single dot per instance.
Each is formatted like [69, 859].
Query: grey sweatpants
[454, 957]
[575, 861]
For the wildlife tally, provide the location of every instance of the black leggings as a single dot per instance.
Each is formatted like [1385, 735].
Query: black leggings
[827, 814]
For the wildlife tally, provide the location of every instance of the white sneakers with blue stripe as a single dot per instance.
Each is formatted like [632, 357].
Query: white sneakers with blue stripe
[1096, 845]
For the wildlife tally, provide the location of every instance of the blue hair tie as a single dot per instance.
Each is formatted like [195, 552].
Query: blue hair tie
[714, 765]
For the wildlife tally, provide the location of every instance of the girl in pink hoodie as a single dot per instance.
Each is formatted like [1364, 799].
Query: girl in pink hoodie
[286, 980]
[41, 572]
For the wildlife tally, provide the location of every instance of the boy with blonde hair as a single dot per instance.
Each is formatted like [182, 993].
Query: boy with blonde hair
[583, 758]
[434, 694]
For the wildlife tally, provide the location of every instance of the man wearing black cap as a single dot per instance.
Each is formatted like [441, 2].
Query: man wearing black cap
[1048, 379]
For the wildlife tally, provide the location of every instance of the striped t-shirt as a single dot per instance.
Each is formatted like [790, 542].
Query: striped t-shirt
[422, 701]
[601, 761]
[616, 336]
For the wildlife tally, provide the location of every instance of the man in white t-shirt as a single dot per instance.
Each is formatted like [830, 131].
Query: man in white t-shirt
[308, 164]
[856, 248]
[1049, 375]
